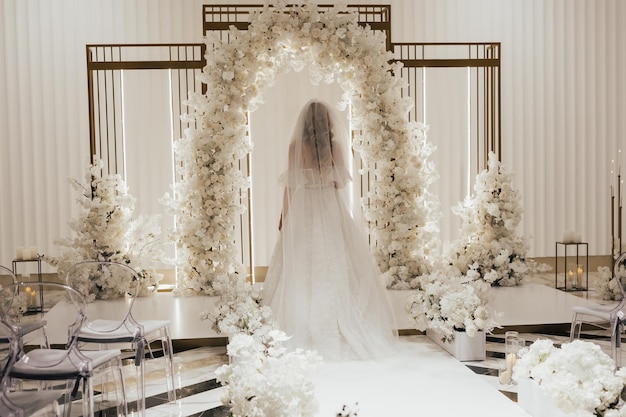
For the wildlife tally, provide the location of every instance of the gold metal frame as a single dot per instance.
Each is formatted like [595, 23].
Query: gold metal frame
[105, 64]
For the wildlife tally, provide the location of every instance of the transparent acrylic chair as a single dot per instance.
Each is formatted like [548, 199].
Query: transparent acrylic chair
[21, 403]
[611, 314]
[116, 324]
[30, 328]
[71, 365]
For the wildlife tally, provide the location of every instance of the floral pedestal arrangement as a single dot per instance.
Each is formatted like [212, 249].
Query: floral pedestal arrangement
[535, 401]
[463, 347]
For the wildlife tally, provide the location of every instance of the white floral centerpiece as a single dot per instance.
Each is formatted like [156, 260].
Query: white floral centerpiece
[265, 379]
[578, 376]
[450, 302]
[489, 247]
[279, 38]
[106, 231]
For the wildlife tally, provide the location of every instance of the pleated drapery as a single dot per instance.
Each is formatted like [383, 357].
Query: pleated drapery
[563, 105]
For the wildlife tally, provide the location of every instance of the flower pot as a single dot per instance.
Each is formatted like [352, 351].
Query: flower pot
[536, 402]
[463, 347]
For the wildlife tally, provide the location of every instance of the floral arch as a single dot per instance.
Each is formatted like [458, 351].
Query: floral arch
[394, 150]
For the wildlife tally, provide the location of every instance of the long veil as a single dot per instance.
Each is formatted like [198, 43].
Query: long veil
[322, 283]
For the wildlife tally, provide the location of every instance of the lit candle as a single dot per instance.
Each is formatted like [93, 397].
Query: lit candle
[505, 377]
[511, 360]
[31, 297]
[570, 275]
[579, 277]
[612, 173]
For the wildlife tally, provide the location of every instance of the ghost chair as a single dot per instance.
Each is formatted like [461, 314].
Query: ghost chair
[611, 314]
[24, 325]
[116, 324]
[21, 403]
[69, 367]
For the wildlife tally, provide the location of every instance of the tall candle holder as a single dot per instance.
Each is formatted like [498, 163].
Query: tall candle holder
[616, 208]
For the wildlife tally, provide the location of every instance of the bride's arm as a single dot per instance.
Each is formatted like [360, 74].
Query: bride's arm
[290, 166]
[284, 211]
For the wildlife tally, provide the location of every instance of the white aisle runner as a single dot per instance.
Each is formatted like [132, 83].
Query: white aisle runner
[424, 382]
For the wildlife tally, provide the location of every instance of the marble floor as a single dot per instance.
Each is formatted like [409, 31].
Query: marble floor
[420, 382]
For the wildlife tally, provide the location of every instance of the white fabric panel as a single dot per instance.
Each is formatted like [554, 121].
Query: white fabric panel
[148, 164]
[446, 105]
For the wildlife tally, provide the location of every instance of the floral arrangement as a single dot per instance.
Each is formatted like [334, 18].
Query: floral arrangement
[106, 231]
[579, 376]
[449, 302]
[489, 248]
[282, 37]
[266, 380]
[606, 286]
[238, 310]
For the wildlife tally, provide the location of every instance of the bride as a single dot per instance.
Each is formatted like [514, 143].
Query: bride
[322, 283]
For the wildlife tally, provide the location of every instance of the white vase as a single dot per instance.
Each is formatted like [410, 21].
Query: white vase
[463, 347]
[536, 402]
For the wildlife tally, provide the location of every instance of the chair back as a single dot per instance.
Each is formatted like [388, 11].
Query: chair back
[619, 273]
[15, 300]
[9, 348]
[6, 276]
[122, 285]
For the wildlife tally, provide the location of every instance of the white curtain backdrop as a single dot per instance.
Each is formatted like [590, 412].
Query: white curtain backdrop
[563, 103]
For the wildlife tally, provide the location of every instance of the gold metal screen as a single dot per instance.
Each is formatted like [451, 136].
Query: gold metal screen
[483, 62]
[105, 67]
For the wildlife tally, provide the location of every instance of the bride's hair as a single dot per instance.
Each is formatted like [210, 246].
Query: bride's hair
[317, 135]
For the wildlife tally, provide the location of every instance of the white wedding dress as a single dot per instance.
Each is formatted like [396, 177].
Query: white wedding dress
[322, 283]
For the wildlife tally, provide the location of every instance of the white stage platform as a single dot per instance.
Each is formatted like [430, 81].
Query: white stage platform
[530, 304]
[423, 381]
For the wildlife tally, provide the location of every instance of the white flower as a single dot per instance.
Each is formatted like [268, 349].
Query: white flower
[578, 376]
[607, 287]
[488, 247]
[448, 302]
[106, 231]
[267, 380]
